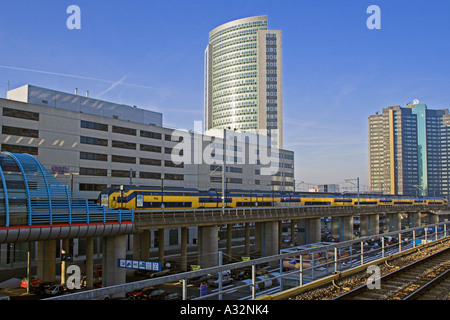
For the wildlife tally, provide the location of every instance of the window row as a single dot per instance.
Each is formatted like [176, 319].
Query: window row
[22, 132]
[125, 159]
[121, 130]
[125, 145]
[21, 114]
[126, 174]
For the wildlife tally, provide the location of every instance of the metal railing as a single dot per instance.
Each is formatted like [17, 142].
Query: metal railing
[343, 256]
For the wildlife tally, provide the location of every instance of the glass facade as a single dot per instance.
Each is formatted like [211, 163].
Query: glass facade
[408, 151]
[30, 195]
[235, 75]
[420, 111]
[242, 78]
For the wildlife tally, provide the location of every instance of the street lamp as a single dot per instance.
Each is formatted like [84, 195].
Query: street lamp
[357, 185]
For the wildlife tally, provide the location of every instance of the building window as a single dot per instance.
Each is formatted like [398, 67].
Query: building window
[93, 156]
[150, 162]
[168, 137]
[171, 164]
[235, 180]
[150, 175]
[19, 149]
[215, 179]
[123, 159]
[94, 125]
[93, 172]
[123, 173]
[151, 135]
[94, 141]
[92, 187]
[21, 114]
[169, 151]
[123, 130]
[145, 147]
[123, 145]
[172, 176]
[20, 132]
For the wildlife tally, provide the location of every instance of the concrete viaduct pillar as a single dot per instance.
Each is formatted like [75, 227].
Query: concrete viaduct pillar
[393, 221]
[432, 218]
[90, 262]
[414, 219]
[46, 258]
[184, 239]
[208, 246]
[141, 245]
[113, 249]
[342, 228]
[267, 238]
[369, 225]
[309, 231]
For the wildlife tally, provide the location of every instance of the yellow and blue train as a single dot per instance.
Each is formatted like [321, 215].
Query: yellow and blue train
[144, 198]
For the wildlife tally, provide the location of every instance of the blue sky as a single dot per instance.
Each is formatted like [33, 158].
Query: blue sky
[336, 72]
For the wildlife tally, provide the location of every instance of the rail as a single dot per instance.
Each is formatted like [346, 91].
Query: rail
[203, 217]
[397, 274]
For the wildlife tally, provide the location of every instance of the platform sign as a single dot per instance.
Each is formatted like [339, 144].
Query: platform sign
[139, 264]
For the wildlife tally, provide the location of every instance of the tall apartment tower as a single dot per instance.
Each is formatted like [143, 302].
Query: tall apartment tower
[243, 73]
[408, 151]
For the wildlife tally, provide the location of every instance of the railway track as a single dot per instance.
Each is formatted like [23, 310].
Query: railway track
[341, 287]
[437, 289]
[427, 278]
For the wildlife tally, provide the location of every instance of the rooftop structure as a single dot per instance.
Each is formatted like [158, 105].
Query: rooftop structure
[83, 104]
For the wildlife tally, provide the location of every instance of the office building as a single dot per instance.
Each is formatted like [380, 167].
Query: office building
[90, 144]
[243, 78]
[408, 151]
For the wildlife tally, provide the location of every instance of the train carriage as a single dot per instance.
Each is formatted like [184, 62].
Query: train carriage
[144, 198]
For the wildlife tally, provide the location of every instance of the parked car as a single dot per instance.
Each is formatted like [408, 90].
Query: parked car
[215, 282]
[41, 287]
[138, 294]
[156, 294]
[199, 280]
[147, 293]
[55, 290]
[173, 296]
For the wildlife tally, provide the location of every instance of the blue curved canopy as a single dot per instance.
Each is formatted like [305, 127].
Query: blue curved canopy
[31, 195]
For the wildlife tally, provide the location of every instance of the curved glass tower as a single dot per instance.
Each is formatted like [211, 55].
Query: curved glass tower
[243, 87]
